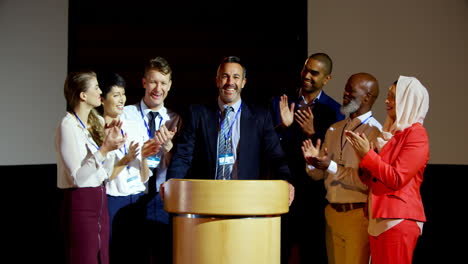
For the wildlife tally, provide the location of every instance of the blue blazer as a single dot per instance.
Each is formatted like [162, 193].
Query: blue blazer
[326, 112]
[259, 147]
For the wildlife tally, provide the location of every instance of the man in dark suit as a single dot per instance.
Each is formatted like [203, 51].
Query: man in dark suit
[200, 152]
[306, 114]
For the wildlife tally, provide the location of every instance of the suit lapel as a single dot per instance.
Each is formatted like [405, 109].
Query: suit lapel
[212, 129]
[246, 130]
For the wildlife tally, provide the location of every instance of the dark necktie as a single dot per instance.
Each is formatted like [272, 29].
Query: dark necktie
[152, 190]
[225, 145]
[151, 122]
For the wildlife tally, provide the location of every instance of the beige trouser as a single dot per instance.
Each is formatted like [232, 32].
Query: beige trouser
[346, 236]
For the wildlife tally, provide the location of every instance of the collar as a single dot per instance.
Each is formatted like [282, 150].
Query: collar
[222, 106]
[302, 100]
[146, 110]
[362, 117]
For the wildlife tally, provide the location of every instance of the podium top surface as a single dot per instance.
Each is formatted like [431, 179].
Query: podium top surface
[226, 197]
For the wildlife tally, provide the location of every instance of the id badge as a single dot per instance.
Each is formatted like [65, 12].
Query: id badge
[153, 161]
[227, 159]
[132, 182]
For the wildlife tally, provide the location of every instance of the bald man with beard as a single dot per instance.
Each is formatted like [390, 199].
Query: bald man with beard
[337, 163]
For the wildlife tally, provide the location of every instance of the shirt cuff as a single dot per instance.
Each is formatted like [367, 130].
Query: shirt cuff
[332, 168]
[99, 158]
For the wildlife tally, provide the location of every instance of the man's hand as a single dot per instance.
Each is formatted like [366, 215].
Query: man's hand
[305, 118]
[322, 162]
[161, 190]
[150, 148]
[309, 151]
[165, 136]
[291, 193]
[286, 111]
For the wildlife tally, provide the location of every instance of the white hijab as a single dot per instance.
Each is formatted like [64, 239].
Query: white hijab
[411, 103]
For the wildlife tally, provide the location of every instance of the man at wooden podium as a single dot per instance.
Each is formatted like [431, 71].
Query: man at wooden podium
[228, 139]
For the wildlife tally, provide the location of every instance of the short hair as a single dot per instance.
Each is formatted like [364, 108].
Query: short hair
[325, 59]
[159, 64]
[107, 80]
[234, 59]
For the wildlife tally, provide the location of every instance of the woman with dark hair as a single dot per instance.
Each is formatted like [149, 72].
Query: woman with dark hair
[394, 174]
[128, 172]
[82, 144]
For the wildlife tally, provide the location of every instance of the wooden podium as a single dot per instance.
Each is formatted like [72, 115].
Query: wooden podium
[226, 222]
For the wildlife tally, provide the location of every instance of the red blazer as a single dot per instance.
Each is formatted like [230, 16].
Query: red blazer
[396, 173]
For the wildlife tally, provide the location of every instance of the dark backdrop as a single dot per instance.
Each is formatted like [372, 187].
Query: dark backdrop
[270, 37]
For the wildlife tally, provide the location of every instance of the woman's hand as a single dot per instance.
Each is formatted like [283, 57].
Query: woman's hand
[113, 137]
[359, 142]
[132, 152]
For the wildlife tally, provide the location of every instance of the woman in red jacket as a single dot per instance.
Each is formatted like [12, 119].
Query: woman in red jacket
[395, 173]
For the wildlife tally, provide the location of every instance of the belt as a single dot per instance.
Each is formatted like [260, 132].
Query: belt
[344, 207]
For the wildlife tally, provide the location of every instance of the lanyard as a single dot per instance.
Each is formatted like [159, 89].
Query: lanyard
[125, 148]
[125, 144]
[342, 132]
[81, 122]
[146, 124]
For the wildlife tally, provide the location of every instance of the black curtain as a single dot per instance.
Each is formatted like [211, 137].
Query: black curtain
[270, 38]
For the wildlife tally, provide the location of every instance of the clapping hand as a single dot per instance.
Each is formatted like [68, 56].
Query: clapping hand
[311, 155]
[359, 142]
[113, 137]
[133, 151]
[309, 151]
[150, 148]
[164, 136]
[286, 112]
[305, 118]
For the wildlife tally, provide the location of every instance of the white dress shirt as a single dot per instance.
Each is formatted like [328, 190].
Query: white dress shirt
[79, 162]
[139, 113]
[341, 178]
[128, 181]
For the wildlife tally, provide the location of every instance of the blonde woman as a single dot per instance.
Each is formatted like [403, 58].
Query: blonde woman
[80, 171]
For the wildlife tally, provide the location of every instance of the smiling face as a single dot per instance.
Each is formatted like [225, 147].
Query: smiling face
[352, 98]
[313, 76]
[92, 94]
[391, 102]
[354, 95]
[230, 82]
[157, 86]
[113, 102]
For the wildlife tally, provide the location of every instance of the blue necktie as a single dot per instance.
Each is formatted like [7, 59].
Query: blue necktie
[224, 145]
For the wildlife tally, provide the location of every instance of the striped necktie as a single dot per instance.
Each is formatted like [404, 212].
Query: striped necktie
[225, 145]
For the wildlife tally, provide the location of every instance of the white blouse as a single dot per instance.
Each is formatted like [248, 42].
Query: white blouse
[128, 181]
[79, 162]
